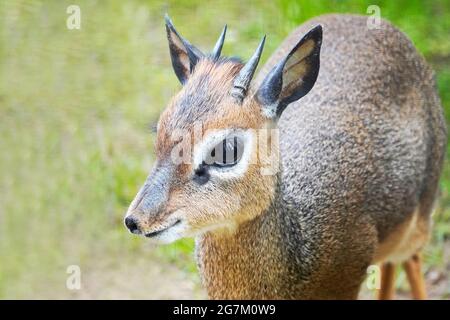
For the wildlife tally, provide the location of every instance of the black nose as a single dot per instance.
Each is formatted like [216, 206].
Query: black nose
[131, 224]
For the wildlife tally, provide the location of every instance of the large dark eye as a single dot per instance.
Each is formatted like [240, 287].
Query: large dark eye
[226, 154]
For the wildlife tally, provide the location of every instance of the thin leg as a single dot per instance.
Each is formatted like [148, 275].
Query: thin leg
[387, 290]
[415, 278]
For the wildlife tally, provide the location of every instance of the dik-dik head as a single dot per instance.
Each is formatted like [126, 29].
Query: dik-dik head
[208, 173]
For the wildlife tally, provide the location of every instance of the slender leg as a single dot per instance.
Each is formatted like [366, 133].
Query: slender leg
[387, 290]
[415, 278]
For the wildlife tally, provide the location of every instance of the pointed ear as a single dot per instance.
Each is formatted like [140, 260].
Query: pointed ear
[292, 77]
[184, 55]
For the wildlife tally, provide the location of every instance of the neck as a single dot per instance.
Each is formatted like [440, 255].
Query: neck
[257, 260]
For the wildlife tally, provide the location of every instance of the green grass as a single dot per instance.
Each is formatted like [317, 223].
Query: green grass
[75, 107]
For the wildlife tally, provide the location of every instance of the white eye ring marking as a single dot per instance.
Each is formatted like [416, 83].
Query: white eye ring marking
[212, 139]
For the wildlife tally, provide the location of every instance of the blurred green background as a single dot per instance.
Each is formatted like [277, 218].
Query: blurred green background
[75, 143]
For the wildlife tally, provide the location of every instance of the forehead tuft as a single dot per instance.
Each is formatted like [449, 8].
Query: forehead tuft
[204, 94]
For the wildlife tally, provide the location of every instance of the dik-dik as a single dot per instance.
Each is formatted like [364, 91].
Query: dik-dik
[360, 141]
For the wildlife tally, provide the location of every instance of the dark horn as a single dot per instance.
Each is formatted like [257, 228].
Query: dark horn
[242, 81]
[219, 44]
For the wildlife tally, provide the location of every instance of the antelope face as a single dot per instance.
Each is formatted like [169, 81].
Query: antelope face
[212, 140]
[207, 174]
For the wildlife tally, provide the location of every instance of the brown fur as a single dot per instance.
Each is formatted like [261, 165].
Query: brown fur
[361, 156]
[406, 239]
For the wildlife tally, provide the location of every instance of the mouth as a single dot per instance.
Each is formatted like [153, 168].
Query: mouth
[158, 232]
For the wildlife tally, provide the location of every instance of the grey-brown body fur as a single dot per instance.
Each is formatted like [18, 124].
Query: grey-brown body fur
[360, 154]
